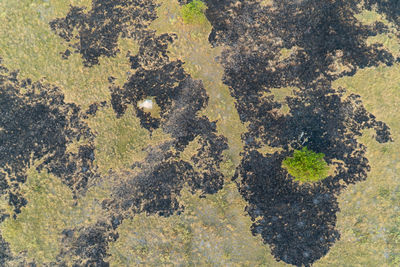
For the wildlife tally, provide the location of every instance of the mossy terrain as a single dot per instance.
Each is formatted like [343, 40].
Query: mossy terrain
[193, 12]
[306, 165]
[89, 178]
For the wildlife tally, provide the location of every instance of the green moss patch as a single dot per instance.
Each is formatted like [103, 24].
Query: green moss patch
[37, 230]
[306, 165]
[193, 12]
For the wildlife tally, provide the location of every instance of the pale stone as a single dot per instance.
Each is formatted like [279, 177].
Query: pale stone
[147, 104]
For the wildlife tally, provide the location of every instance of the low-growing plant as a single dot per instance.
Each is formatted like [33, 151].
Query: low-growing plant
[306, 165]
[193, 12]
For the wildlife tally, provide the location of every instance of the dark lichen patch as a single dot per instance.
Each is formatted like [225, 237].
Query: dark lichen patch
[94, 33]
[38, 125]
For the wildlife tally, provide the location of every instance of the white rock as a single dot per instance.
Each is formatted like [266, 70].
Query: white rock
[147, 104]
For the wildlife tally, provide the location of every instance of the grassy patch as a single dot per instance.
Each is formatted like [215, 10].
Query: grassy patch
[37, 230]
[306, 165]
[28, 45]
[389, 40]
[212, 231]
[193, 12]
[193, 48]
[120, 142]
[373, 198]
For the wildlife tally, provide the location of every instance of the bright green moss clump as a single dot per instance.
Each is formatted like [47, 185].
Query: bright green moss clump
[306, 165]
[193, 12]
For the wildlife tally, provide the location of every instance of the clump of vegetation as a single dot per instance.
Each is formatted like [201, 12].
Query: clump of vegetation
[306, 165]
[193, 12]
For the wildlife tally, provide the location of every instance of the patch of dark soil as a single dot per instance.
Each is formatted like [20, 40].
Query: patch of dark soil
[298, 220]
[37, 124]
[94, 33]
[324, 38]
[390, 8]
[323, 41]
[88, 242]
[5, 253]
[155, 183]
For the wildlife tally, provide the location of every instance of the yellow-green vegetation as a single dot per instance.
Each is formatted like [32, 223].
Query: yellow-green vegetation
[37, 230]
[306, 165]
[212, 231]
[193, 48]
[193, 12]
[266, 2]
[27, 44]
[121, 141]
[368, 221]
[388, 40]
[286, 53]
[280, 95]
[190, 150]
[369, 217]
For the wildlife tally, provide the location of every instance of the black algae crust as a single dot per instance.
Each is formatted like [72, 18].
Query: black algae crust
[324, 42]
[36, 123]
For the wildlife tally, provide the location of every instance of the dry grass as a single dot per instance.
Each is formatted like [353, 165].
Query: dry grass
[213, 231]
